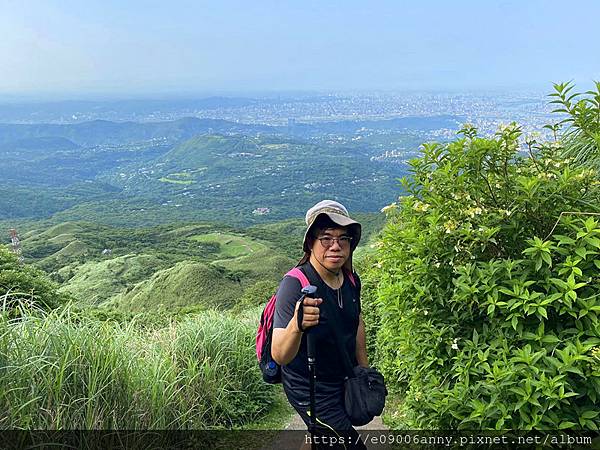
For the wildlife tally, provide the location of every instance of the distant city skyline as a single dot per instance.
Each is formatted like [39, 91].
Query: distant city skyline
[108, 49]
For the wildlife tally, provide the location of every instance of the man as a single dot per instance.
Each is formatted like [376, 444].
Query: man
[329, 242]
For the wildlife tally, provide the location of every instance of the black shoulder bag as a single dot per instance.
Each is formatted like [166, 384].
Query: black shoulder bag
[364, 388]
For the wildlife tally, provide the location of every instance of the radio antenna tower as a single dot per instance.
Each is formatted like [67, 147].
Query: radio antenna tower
[16, 244]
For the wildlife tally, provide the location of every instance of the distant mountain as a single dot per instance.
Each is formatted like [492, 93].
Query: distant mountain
[71, 110]
[237, 178]
[47, 143]
[99, 132]
[128, 173]
[206, 150]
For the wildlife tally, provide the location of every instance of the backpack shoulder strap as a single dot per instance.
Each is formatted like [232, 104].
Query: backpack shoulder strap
[355, 280]
[351, 278]
[297, 273]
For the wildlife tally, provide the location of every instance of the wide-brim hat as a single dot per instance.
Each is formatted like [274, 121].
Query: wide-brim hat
[338, 215]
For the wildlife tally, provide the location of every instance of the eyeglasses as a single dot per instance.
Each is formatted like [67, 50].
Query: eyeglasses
[327, 241]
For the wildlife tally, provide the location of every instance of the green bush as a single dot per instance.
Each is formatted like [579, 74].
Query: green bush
[487, 301]
[24, 286]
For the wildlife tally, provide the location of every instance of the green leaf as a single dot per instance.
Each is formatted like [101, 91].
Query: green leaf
[574, 370]
[555, 362]
[500, 423]
[595, 242]
[590, 414]
[550, 339]
[542, 311]
[564, 239]
[519, 391]
[547, 259]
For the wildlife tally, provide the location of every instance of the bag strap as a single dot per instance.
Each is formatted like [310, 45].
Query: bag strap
[300, 276]
[297, 273]
[334, 314]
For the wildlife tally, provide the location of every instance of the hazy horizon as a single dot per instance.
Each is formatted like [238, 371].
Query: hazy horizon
[158, 96]
[108, 50]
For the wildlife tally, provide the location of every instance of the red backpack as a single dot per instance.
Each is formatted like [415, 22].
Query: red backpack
[271, 371]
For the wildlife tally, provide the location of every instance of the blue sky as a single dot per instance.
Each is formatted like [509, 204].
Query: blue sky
[109, 47]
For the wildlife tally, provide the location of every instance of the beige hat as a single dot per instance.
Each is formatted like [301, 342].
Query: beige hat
[338, 215]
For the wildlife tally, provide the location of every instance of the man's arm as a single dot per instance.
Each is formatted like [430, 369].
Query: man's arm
[286, 341]
[361, 344]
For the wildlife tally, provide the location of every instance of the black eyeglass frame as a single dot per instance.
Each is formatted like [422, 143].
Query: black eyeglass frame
[342, 240]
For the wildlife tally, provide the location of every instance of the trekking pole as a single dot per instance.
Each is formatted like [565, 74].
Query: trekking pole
[312, 376]
[310, 291]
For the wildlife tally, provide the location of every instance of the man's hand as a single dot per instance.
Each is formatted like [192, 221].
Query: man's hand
[310, 313]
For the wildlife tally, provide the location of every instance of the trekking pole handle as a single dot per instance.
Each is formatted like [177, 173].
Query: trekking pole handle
[309, 291]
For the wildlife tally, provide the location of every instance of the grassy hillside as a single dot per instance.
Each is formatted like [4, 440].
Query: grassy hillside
[231, 246]
[184, 284]
[95, 282]
[179, 266]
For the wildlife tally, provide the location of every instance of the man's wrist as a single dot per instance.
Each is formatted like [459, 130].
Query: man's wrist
[294, 326]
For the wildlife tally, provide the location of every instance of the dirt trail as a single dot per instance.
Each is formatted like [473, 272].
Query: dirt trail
[297, 424]
[294, 434]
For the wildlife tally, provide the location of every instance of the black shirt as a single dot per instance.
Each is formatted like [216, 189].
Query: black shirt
[329, 365]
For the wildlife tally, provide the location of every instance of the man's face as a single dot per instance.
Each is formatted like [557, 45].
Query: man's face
[331, 247]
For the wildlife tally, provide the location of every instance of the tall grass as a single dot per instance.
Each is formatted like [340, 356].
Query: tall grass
[68, 371]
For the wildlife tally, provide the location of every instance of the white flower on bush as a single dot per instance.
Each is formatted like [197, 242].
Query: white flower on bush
[421, 206]
[461, 195]
[455, 344]
[472, 212]
[450, 226]
[388, 207]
